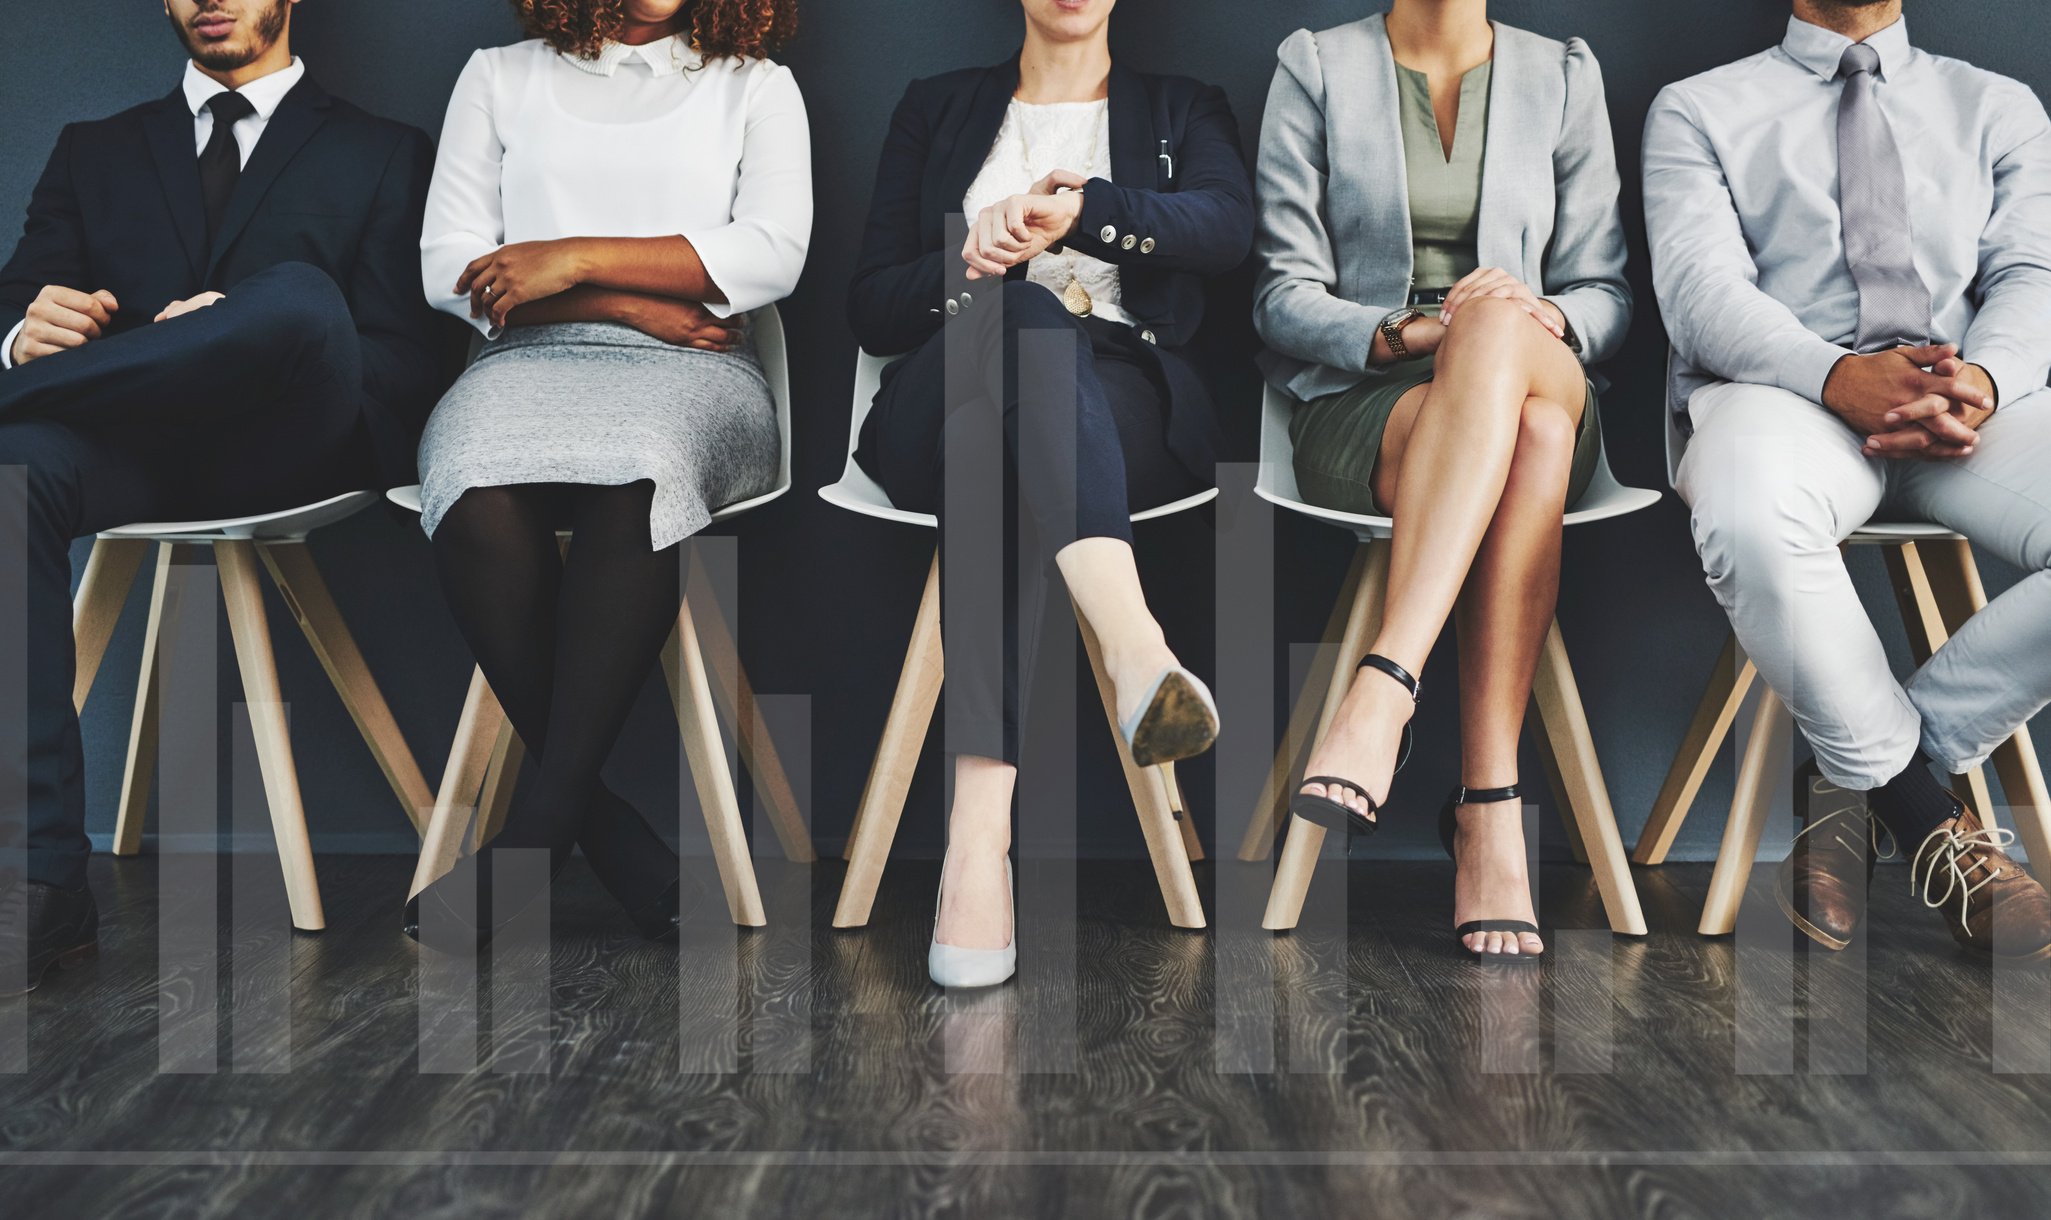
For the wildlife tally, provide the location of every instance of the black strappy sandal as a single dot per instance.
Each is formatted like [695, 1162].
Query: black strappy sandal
[1449, 825]
[1330, 814]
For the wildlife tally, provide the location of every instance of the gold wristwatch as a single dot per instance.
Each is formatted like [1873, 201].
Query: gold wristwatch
[1392, 330]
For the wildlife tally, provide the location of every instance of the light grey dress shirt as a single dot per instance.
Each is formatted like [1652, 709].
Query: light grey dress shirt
[1741, 205]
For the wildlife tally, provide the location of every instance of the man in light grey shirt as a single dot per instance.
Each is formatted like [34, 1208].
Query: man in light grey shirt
[1851, 243]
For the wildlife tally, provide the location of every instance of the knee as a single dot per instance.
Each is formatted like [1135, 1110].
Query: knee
[299, 299]
[1757, 531]
[1485, 320]
[1545, 435]
[1030, 306]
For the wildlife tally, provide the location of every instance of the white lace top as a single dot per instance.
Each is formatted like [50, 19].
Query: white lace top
[1034, 141]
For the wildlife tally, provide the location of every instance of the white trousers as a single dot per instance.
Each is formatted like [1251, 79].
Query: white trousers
[1774, 482]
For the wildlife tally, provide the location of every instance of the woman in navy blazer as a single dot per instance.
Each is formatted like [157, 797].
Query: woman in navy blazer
[1067, 208]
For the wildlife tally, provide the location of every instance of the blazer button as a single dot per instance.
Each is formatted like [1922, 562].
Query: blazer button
[967, 300]
[1147, 246]
[953, 308]
[1129, 242]
[1107, 235]
[1148, 336]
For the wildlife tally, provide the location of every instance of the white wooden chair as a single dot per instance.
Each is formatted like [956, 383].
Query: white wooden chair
[1170, 834]
[243, 546]
[1937, 586]
[1568, 748]
[699, 660]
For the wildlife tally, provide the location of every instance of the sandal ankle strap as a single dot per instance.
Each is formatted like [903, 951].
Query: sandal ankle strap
[1463, 795]
[1403, 677]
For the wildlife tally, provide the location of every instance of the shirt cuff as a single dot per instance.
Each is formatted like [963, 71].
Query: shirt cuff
[2009, 372]
[1807, 366]
[7, 348]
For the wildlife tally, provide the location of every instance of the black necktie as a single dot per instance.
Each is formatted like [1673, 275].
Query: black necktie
[220, 163]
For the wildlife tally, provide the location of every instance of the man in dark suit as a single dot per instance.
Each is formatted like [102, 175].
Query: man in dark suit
[214, 310]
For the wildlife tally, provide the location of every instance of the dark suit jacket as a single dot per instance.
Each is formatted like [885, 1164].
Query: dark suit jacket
[119, 207]
[1182, 195]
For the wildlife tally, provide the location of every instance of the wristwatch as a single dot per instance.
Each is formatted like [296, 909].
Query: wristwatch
[1392, 330]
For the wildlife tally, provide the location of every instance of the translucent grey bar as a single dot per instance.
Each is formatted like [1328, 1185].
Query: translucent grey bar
[1583, 984]
[260, 924]
[14, 710]
[783, 979]
[188, 895]
[521, 1000]
[1243, 1013]
[1765, 987]
[709, 943]
[447, 966]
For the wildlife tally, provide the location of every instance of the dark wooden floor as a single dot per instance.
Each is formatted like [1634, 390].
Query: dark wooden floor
[1362, 1070]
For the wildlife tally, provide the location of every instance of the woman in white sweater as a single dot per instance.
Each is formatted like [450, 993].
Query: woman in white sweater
[611, 199]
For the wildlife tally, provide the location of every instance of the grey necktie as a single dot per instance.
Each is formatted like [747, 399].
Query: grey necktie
[1873, 195]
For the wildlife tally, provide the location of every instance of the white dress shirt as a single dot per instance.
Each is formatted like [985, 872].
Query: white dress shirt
[1741, 205]
[1036, 140]
[647, 141]
[266, 93]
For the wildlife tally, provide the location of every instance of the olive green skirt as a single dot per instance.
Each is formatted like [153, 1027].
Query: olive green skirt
[1338, 440]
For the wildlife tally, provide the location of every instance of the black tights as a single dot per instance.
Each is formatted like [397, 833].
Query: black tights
[565, 643]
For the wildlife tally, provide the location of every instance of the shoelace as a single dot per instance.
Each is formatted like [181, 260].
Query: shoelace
[1875, 831]
[1950, 846]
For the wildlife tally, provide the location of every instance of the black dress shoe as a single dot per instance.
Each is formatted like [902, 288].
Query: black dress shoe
[461, 905]
[637, 867]
[43, 927]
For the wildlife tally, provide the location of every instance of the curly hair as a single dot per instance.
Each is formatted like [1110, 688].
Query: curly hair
[718, 28]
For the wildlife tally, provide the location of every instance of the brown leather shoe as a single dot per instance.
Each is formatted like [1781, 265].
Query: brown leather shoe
[1961, 870]
[1823, 883]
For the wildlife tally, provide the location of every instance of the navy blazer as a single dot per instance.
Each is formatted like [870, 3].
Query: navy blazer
[120, 207]
[1180, 210]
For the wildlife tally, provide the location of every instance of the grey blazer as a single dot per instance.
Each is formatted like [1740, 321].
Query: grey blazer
[1334, 243]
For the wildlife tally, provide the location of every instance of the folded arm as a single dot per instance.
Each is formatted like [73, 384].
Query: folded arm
[51, 253]
[1204, 226]
[893, 299]
[2011, 335]
[1584, 268]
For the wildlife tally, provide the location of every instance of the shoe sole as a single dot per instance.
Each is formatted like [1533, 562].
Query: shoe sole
[58, 961]
[1810, 930]
[1178, 724]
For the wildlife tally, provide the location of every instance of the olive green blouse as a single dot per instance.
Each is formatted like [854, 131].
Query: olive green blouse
[1445, 192]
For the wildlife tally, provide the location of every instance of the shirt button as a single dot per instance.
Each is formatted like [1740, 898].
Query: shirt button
[1129, 242]
[1107, 235]
[1148, 336]
[1147, 246]
[953, 308]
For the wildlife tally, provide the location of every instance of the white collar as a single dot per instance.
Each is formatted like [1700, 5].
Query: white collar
[266, 93]
[664, 57]
[1821, 50]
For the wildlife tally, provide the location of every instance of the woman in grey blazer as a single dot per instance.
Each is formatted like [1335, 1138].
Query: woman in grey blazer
[1440, 254]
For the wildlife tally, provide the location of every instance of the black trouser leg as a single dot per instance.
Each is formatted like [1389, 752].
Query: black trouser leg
[224, 442]
[1067, 468]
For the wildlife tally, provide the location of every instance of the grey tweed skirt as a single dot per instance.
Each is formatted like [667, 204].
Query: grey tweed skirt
[602, 404]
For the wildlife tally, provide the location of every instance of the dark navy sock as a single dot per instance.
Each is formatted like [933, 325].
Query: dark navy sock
[1913, 803]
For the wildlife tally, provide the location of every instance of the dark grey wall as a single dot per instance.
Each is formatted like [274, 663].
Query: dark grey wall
[826, 598]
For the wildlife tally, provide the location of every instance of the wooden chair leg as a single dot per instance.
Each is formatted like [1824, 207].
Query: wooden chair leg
[455, 803]
[1765, 762]
[751, 736]
[1192, 846]
[1955, 580]
[102, 593]
[306, 593]
[1274, 798]
[1728, 683]
[1150, 797]
[501, 776]
[698, 721]
[897, 756]
[242, 597]
[1916, 591]
[1557, 698]
[1300, 848]
[140, 768]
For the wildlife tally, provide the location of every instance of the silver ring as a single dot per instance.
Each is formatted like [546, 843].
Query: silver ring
[488, 290]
